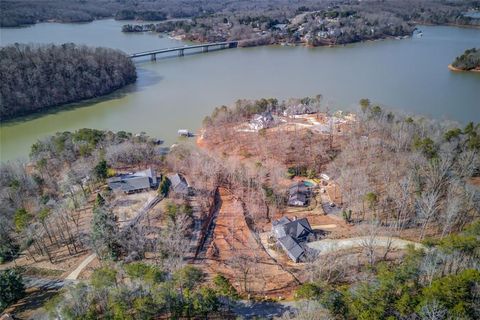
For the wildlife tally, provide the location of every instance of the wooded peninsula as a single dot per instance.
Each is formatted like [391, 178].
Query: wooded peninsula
[37, 77]
[315, 23]
[468, 61]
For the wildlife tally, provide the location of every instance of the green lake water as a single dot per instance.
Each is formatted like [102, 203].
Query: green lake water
[409, 74]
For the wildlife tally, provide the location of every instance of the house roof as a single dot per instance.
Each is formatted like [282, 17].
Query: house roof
[291, 247]
[264, 120]
[281, 221]
[133, 181]
[129, 184]
[147, 173]
[297, 229]
[299, 109]
[297, 192]
[297, 187]
[278, 227]
[179, 184]
[297, 197]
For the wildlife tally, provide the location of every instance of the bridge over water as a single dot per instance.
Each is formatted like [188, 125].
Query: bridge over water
[181, 50]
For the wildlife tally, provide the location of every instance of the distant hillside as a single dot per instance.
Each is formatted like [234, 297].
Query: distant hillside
[35, 78]
[23, 12]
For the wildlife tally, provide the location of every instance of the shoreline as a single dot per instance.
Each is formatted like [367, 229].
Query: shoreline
[452, 68]
[38, 113]
[456, 25]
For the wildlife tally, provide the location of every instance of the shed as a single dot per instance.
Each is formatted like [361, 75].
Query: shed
[179, 184]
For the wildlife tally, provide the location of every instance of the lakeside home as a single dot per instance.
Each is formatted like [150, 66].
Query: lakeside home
[299, 109]
[134, 182]
[262, 121]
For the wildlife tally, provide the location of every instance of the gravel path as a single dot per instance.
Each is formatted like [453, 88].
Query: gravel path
[331, 245]
[75, 273]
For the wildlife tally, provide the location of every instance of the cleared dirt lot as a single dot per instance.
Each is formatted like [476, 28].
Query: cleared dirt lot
[234, 251]
[332, 245]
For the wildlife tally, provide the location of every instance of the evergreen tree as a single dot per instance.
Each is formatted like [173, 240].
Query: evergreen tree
[101, 170]
[224, 288]
[11, 287]
[164, 186]
[104, 234]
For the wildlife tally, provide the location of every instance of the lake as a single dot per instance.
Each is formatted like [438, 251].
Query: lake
[409, 74]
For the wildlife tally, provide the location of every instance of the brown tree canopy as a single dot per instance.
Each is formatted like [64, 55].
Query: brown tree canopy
[38, 77]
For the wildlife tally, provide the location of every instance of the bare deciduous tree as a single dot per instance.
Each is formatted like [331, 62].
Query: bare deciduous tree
[433, 311]
[243, 264]
[427, 207]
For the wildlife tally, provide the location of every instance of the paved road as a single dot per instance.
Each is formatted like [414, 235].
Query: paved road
[331, 245]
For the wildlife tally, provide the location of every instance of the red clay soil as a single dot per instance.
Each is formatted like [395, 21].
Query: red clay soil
[234, 249]
[475, 181]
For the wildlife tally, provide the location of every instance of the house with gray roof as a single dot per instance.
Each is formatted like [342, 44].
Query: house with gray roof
[179, 184]
[291, 234]
[262, 121]
[299, 109]
[298, 194]
[134, 182]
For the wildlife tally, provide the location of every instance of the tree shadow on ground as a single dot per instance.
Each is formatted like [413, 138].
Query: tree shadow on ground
[29, 306]
[261, 310]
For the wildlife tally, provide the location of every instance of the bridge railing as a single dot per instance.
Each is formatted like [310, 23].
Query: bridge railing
[230, 44]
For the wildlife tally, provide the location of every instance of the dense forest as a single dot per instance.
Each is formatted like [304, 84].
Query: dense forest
[22, 12]
[469, 60]
[38, 77]
[143, 291]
